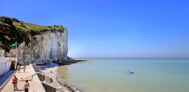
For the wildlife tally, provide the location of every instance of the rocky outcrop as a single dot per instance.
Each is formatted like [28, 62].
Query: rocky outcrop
[36, 44]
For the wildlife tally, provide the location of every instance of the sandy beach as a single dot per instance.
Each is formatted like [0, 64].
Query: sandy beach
[51, 71]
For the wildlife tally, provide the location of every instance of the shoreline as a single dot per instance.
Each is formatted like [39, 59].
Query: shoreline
[66, 85]
[51, 71]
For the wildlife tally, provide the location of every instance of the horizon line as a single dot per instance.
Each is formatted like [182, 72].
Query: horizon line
[139, 57]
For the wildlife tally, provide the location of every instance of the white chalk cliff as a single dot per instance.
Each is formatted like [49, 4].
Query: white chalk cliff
[36, 43]
[47, 46]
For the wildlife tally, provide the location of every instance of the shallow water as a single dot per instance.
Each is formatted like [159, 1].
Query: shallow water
[111, 75]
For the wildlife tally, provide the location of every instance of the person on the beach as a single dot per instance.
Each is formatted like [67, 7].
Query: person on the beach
[14, 82]
[26, 86]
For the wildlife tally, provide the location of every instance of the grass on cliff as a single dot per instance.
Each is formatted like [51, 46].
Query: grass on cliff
[13, 30]
[2, 23]
[23, 26]
[29, 27]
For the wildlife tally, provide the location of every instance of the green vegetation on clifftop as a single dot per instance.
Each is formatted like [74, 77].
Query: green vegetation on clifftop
[13, 30]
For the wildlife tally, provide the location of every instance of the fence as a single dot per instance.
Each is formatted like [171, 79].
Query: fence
[5, 65]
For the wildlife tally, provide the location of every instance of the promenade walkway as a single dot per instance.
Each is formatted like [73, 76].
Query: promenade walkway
[22, 76]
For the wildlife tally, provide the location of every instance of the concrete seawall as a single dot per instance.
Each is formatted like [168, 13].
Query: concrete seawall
[37, 85]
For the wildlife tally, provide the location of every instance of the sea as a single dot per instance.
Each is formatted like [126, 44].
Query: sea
[128, 75]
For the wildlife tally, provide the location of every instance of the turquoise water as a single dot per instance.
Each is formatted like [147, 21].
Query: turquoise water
[111, 75]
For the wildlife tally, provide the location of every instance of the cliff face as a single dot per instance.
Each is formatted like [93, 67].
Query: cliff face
[41, 44]
[46, 47]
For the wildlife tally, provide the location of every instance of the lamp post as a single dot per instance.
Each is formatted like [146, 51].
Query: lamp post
[16, 56]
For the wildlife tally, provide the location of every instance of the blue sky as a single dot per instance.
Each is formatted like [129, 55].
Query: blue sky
[112, 28]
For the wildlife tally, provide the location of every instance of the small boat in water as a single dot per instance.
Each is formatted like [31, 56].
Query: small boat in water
[129, 72]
